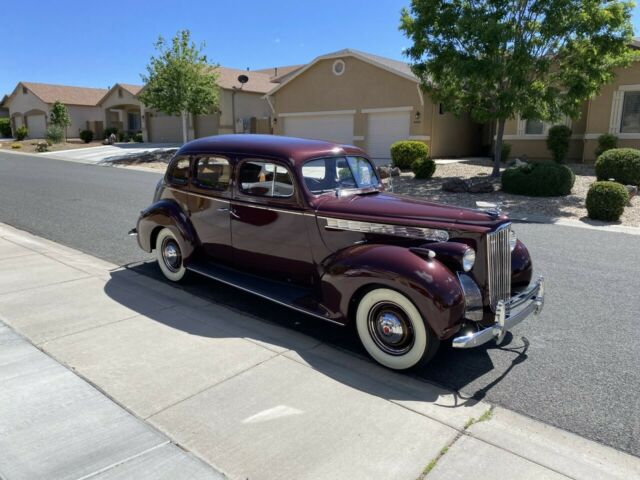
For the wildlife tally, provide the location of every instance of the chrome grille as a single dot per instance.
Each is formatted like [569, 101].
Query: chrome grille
[499, 265]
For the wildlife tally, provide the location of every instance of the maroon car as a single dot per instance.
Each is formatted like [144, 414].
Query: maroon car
[308, 224]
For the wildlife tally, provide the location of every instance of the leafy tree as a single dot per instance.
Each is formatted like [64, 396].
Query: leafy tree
[499, 58]
[179, 79]
[59, 116]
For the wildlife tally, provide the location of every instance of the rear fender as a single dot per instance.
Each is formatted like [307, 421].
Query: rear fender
[428, 283]
[166, 213]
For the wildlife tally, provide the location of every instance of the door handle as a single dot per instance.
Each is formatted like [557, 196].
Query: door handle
[224, 209]
[234, 214]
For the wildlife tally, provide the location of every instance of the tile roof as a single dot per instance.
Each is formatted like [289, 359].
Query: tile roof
[68, 95]
[635, 42]
[259, 82]
[131, 88]
[277, 73]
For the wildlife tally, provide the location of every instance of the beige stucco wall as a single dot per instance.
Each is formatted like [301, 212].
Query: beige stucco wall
[113, 100]
[80, 116]
[247, 105]
[453, 136]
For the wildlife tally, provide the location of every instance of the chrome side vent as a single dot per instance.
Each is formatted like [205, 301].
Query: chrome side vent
[499, 265]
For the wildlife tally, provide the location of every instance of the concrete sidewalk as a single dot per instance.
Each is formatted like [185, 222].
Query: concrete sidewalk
[252, 399]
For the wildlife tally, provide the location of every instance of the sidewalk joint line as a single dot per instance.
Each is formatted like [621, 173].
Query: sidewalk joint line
[20, 290]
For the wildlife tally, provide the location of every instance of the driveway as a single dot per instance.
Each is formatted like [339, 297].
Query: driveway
[110, 153]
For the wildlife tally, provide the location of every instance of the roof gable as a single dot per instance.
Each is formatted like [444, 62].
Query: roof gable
[130, 88]
[69, 95]
[259, 82]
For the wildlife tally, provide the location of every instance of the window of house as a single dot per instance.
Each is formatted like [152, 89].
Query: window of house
[179, 173]
[213, 173]
[630, 122]
[534, 127]
[265, 179]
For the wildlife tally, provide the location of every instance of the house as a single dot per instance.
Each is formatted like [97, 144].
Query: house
[615, 110]
[121, 109]
[358, 98]
[4, 110]
[30, 102]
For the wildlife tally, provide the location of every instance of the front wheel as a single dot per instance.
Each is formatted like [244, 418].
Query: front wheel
[169, 256]
[391, 329]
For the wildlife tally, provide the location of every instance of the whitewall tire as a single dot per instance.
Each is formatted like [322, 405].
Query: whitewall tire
[392, 330]
[169, 255]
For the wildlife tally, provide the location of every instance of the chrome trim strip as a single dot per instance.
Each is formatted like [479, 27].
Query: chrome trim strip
[499, 265]
[386, 229]
[284, 304]
[216, 199]
[473, 307]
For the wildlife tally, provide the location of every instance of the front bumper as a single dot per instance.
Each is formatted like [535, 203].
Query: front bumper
[508, 314]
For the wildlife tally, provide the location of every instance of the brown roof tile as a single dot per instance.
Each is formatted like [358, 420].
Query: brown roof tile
[66, 94]
[258, 82]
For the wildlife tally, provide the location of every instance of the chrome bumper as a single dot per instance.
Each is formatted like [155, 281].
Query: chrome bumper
[133, 232]
[508, 314]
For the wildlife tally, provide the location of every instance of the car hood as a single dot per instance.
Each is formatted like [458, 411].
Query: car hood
[390, 208]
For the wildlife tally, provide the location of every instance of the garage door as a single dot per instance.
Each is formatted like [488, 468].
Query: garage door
[165, 128]
[384, 128]
[37, 126]
[336, 128]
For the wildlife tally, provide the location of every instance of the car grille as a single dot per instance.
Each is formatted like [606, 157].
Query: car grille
[499, 265]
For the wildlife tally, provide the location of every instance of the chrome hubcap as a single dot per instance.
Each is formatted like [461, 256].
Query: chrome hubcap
[171, 255]
[390, 328]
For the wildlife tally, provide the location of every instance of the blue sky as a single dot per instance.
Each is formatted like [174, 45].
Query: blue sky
[77, 43]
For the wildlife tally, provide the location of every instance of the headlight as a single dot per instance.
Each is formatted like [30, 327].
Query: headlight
[468, 259]
[512, 240]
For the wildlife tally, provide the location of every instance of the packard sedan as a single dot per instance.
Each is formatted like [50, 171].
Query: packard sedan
[308, 224]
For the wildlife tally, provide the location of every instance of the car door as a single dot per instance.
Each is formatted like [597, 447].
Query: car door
[268, 224]
[209, 203]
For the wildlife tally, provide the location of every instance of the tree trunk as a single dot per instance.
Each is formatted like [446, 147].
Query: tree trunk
[497, 154]
[184, 127]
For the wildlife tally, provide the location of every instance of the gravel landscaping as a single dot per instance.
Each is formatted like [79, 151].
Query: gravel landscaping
[569, 207]
[156, 160]
[29, 146]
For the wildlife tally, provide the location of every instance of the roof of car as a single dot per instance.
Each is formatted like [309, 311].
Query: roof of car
[294, 149]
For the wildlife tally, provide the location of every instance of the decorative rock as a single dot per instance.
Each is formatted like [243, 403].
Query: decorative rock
[480, 186]
[383, 172]
[472, 185]
[633, 191]
[395, 172]
[455, 185]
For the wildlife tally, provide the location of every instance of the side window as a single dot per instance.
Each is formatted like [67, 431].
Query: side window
[264, 179]
[213, 173]
[179, 173]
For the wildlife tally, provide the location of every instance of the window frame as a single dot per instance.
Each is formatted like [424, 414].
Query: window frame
[238, 192]
[195, 158]
[170, 180]
[622, 104]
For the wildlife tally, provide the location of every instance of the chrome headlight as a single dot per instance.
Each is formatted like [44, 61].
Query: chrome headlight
[468, 259]
[513, 239]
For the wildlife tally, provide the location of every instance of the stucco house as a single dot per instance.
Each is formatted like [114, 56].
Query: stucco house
[615, 110]
[30, 102]
[359, 98]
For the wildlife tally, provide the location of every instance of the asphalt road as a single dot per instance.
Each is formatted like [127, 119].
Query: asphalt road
[576, 366]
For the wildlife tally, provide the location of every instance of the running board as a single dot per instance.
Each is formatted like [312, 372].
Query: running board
[290, 296]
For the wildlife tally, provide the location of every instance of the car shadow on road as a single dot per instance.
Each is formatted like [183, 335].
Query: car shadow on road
[332, 350]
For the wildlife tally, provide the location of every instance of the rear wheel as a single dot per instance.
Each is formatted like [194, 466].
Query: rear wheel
[169, 255]
[391, 329]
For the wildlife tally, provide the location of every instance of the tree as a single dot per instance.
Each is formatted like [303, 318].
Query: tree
[59, 116]
[496, 59]
[179, 79]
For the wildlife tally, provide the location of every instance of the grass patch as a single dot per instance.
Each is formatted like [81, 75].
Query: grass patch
[432, 464]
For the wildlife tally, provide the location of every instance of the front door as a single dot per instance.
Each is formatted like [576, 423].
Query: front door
[268, 223]
[209, 203]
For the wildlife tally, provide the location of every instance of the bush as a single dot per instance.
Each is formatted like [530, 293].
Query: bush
[86, 136]
[606, 201]
[55, 134]
[621, 164]
[405, 152]
[109, 131]
[423, 168]
[123, 136]
[42, 146]
[16, 146]
[5, 127]
[539, 180]
[21, 133]
[558, 142]
[505, 151]
[138, 138]
[608, 141]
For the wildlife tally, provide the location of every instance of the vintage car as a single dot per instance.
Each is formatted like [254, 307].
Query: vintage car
[308, 224]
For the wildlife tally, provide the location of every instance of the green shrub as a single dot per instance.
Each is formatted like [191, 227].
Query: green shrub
[558, 142]
[621, 164]
[505, 151]
[122, 136]
[21, 133]
[42, 146]
[16, 146]
[5, 127]
[55, 134]
[608, 141]
[539, 180]
[86, 136]
[423, 168]
[108, 131]
[405, 152]
[138, 138]
[606, 201]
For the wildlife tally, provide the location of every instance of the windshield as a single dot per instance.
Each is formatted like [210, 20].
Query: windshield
[331, 173]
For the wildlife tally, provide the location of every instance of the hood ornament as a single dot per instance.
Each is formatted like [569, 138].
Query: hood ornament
[493, 209]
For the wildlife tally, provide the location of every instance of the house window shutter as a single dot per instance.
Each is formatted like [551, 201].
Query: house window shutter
[616, 112]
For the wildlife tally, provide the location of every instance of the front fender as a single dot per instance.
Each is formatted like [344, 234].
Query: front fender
[429, 284]
[166, 213]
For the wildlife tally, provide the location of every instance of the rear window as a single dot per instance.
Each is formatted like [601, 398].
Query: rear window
[265, 179]
[179, 171]
[213, 173]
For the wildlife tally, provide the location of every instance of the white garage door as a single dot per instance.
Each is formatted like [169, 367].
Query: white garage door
[165, 128]
[384, 128]
[37, 126]
[333, 128]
